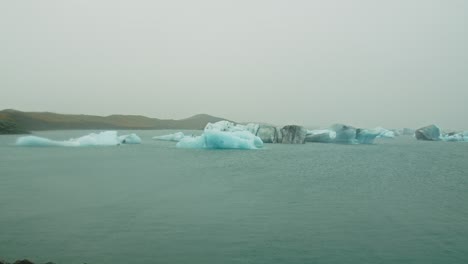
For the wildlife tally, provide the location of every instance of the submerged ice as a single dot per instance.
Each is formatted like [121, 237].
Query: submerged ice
[106, 138]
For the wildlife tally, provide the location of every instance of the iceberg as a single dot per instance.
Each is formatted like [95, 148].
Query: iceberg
[171, 137]
[130, 139]
[321, 135]
[269, 134]
[384, 133]
[407, 131]
[222, 135]
[34, 141]
[106, 138]
[431, 133]
[366, 136]
[293, 134]
[455, 137]
[344, 134]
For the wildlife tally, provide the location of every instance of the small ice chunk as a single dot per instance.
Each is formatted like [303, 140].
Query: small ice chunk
[170, 137]
[130, 139]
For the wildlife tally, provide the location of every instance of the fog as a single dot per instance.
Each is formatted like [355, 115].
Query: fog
[365, 63]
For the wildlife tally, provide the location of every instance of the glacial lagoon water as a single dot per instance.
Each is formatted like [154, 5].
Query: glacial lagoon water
[398, 201]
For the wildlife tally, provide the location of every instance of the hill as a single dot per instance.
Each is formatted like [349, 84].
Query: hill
[27, 121]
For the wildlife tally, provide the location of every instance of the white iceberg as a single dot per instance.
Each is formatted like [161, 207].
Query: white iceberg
[106, 138]
[320, 135]
[456, 137]
[130, 139]
[384, 133]
[222, 135]
[344, 134]
[171, 137]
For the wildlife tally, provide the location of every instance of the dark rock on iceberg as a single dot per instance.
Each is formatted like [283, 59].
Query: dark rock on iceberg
[431, 133]
[293, 134]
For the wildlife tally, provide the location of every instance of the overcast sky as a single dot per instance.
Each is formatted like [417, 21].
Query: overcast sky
[395, 63]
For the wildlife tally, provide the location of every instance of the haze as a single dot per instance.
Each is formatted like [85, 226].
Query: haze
[365, 63]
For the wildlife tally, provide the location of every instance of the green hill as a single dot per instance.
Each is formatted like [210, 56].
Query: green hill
[28, 121]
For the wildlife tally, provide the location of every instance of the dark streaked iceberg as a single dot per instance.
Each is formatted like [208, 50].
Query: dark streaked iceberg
[269, 134]
[293, 134]
[430, 133]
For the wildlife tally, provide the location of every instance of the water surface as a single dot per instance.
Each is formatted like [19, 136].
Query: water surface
[398, 201]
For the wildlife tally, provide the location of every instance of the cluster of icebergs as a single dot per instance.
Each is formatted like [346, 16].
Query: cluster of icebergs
[433, 133]
[225, 134]
[106, 138]
[219, 135]
[228, 135]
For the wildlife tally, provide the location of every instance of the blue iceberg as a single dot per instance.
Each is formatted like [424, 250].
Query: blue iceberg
[222, 135]
[366, 136]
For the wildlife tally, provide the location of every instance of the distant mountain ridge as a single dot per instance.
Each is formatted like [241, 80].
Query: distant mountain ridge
[54, 121]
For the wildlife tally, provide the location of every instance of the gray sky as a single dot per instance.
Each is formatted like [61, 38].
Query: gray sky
[395, 63]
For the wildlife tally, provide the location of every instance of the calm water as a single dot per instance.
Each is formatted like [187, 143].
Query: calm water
[399, 201]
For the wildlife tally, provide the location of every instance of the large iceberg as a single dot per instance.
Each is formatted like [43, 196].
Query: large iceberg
[431, 133]
[344, 134]
[106, 138]
[223, 135]
[171, 137]
[293, 134]
[269, 134]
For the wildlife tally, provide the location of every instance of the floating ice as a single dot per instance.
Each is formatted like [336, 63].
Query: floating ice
[106, 138]
[321, 135]
[222, 135]
[294, 134]
[130, 139]
[171, 137]
[34, 141]
[269, 134]
[366, 136]
[344, 134]
[431, 132]
[456, 137]
[384, 133]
